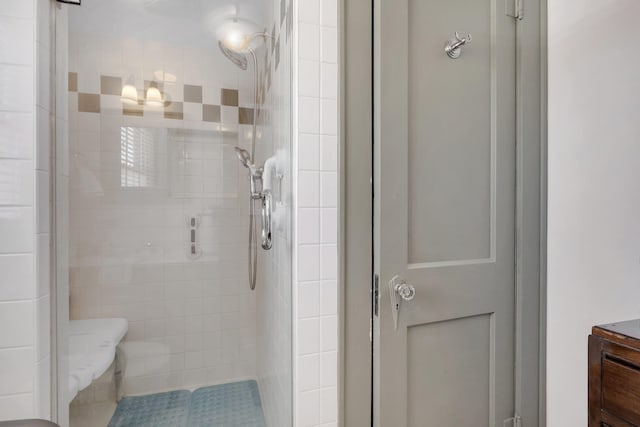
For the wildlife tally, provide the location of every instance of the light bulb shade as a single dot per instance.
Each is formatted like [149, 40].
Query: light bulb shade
[129, 94]
[154, 97]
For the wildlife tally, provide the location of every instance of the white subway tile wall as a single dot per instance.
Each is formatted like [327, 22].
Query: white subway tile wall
[274, 288]
[317, 214]
[24, 209]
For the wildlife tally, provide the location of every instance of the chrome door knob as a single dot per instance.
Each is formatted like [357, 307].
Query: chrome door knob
[405, 291]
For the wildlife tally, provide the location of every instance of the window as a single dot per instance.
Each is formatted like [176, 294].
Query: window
[137, 158]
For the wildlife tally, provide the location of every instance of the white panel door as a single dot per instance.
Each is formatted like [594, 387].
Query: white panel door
[444, 213]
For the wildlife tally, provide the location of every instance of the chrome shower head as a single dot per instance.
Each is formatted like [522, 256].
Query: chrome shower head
[237, 58]
[244, 157]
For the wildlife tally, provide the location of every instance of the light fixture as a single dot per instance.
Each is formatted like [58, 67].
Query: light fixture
[153, 97]
[129, 94]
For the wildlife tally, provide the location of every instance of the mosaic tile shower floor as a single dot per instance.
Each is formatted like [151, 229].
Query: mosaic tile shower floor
[227, 405]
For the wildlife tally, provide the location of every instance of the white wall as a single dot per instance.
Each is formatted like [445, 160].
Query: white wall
[24, 206]
[594, 188]
[317, 215]
[274, 286]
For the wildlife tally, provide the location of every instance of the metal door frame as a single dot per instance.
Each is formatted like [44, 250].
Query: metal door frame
[356, 213]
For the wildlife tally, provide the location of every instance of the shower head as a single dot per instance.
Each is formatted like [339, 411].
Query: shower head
[244, 157]
[237, 58]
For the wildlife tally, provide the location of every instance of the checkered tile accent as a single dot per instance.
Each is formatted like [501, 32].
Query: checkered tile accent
[192, 105]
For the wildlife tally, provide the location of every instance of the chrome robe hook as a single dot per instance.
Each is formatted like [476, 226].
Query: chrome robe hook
[453, 46]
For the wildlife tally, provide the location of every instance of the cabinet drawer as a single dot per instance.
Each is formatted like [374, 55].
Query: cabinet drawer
[621, 389]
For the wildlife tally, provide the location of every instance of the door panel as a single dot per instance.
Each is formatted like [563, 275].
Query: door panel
[444, 213]
[444, 345]
[450, 132]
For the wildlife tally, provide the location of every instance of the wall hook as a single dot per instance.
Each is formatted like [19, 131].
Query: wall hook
[453, 46]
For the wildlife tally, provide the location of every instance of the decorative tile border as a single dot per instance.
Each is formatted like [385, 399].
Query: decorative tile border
[111, 86]
[193, 93]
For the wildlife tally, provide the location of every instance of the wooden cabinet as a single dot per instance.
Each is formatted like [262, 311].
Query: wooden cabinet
[614, 375]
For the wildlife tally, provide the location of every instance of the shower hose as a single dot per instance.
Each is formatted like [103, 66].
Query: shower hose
[253, 227]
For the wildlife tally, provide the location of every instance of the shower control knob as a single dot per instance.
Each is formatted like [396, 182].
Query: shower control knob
[405, 291]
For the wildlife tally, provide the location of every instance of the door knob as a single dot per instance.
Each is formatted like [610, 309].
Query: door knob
[399, 291]
[405, 291]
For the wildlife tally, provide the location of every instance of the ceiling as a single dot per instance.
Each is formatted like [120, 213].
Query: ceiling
[191, 22]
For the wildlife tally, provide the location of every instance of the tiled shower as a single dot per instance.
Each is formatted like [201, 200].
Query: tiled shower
[128, 183]
[138, 177]
[158, 208]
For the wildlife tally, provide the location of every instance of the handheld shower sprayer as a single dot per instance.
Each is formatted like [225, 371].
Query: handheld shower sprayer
[237, 44]
[243, 156]
[255, 173]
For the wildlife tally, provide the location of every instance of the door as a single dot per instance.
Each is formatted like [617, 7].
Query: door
[444, 213]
